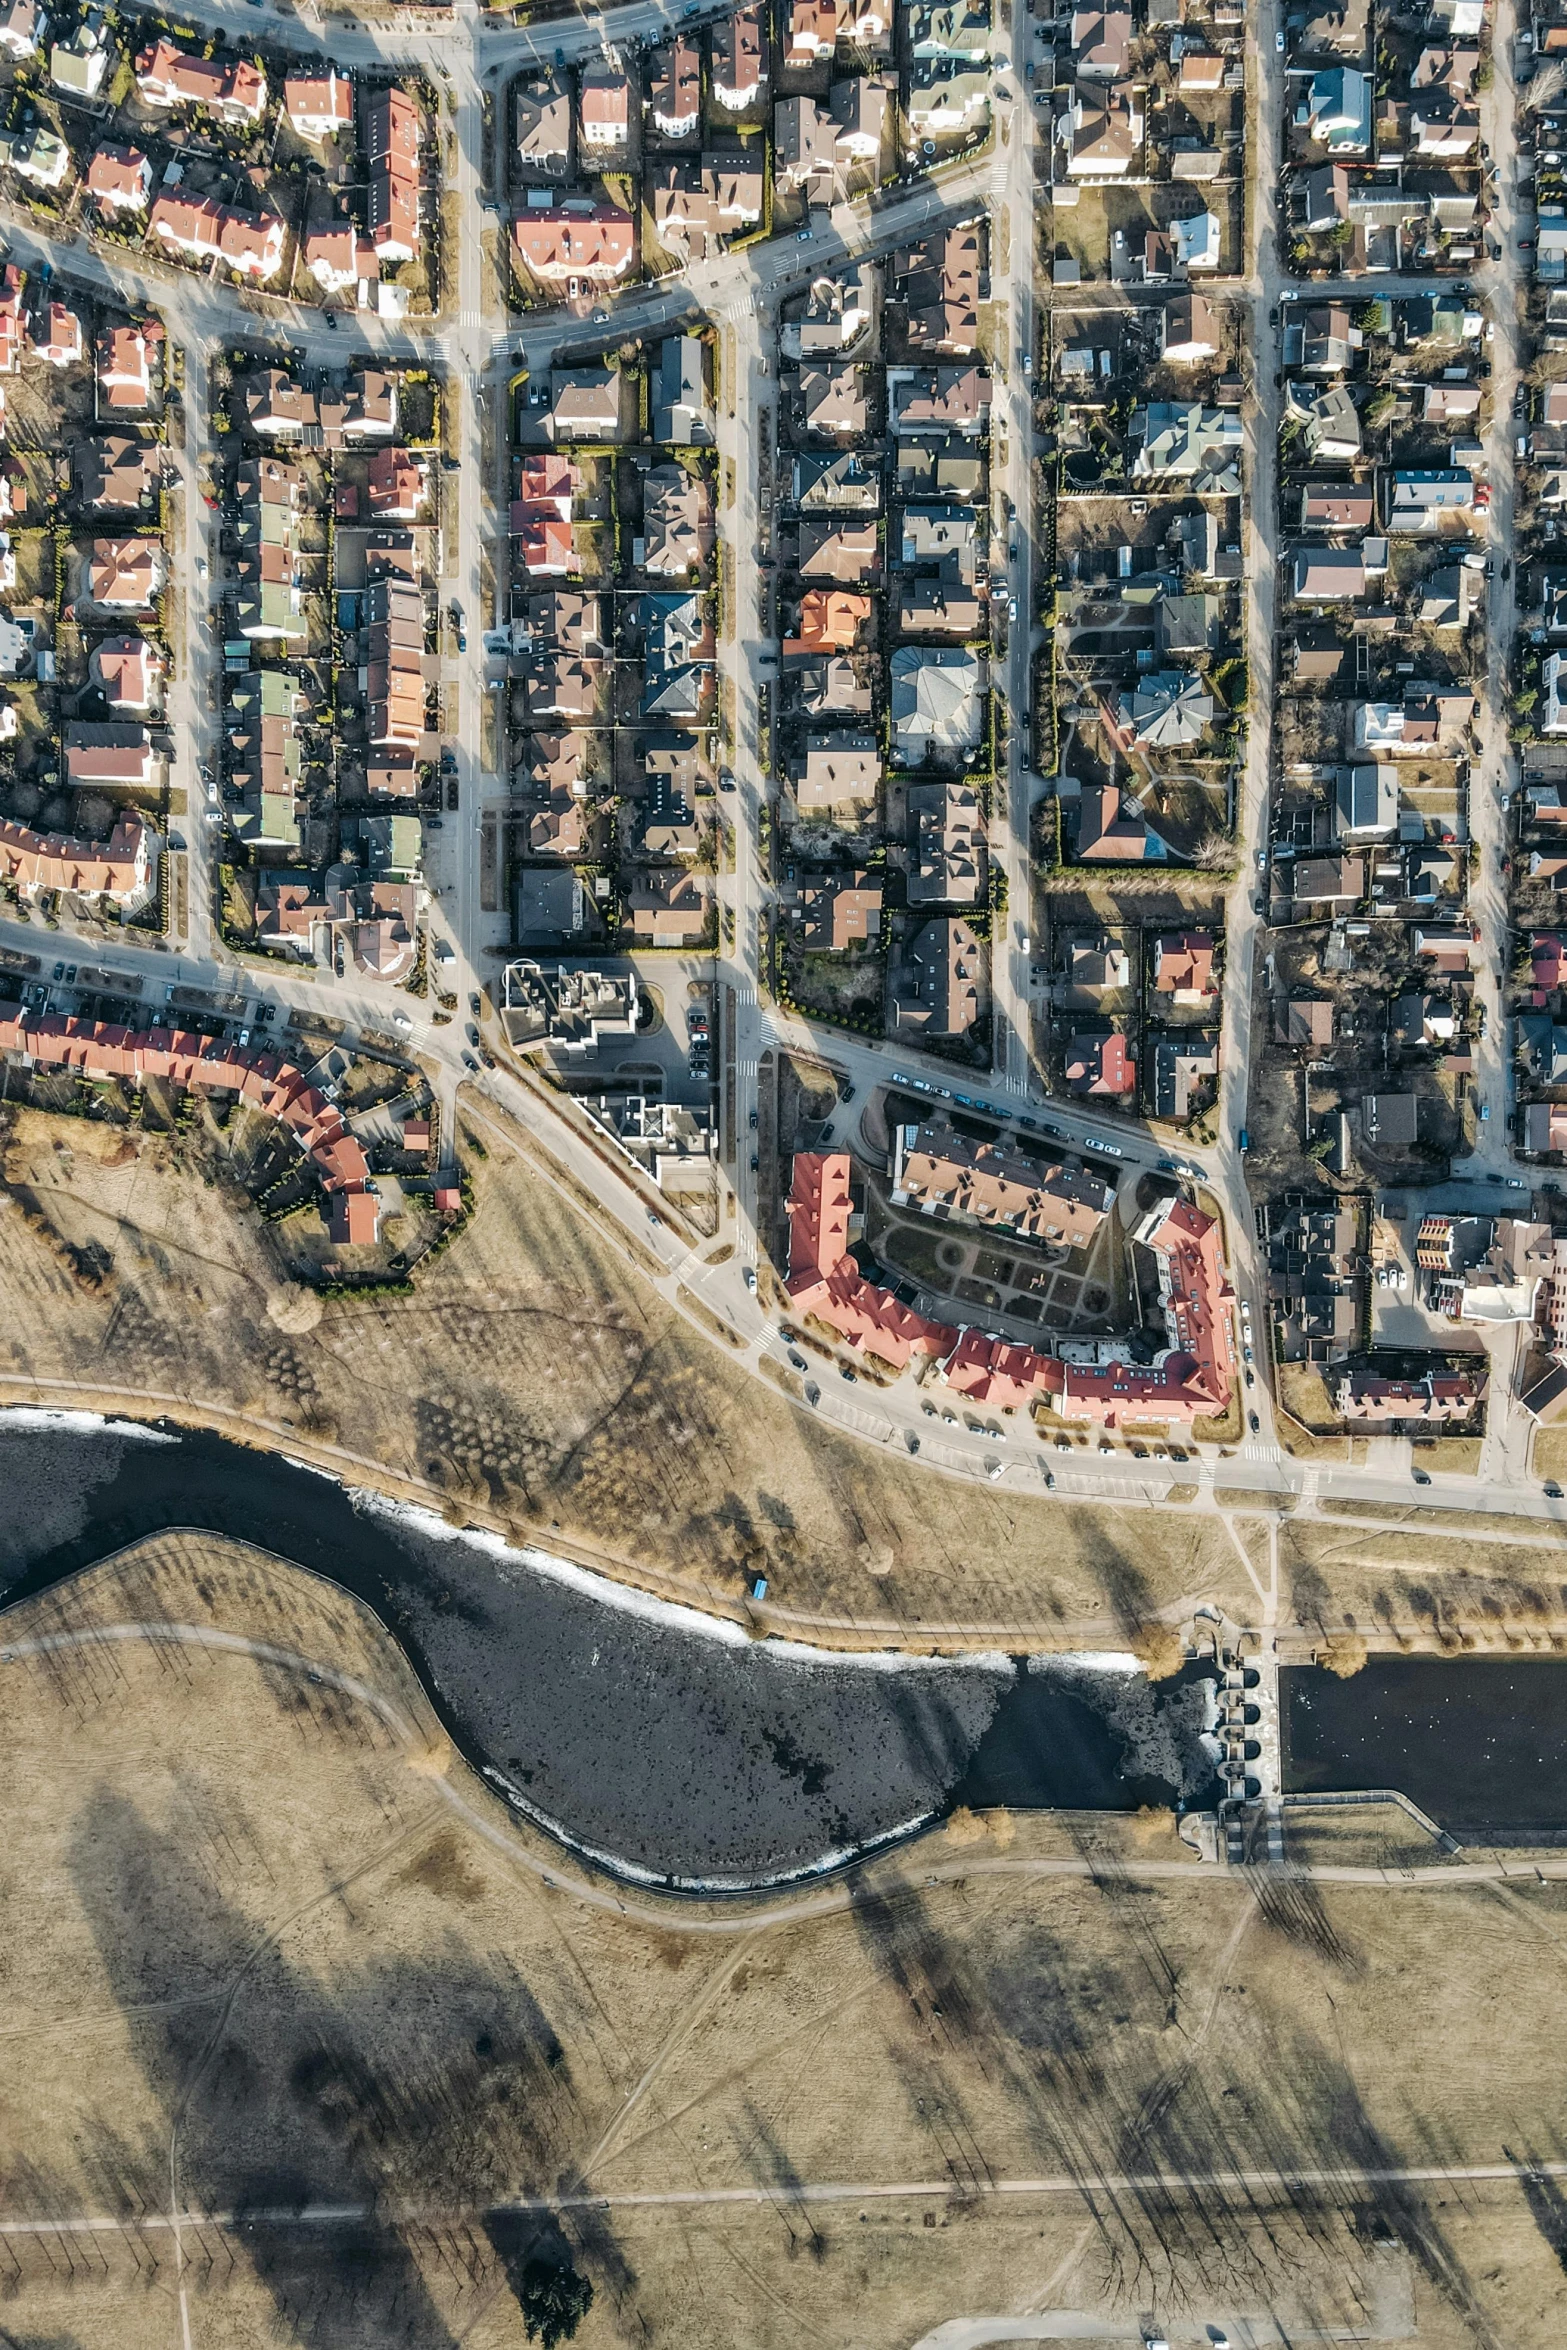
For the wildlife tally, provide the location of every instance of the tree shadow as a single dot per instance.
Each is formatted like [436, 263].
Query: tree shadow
[397, 2106]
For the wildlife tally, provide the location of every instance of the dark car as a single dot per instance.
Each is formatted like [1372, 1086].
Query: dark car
[1255, 1423]
[1553, 1491]
[1420, 1476]
[755, 1162]
[475, 1002]
[845, 1091]
[469, 1062]
[753, 1121]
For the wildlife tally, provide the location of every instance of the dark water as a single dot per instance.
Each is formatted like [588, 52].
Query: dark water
[1479, 1743]
[667, 1750]
[1081, 1739]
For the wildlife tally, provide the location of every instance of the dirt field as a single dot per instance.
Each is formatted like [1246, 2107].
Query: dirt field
[534, 1384]
[267, 1946]
[1435, 1584]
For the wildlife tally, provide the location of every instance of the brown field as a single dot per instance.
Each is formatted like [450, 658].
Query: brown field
[270, 1950]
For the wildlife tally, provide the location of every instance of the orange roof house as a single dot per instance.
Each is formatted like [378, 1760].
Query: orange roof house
[825, 1282]
[1000, 1373]
[124, 375]
[1183, 965]
[575, 239]
[1196, 1374]
[13, 326]
[120, 179]
[546, 544]
[397, 485]
[117, 868]
[830, 621]
[339, 257]
[203, 1064]
[233, 87]
[126, 573]
[60, 338]
[392, 144]
[317, 104]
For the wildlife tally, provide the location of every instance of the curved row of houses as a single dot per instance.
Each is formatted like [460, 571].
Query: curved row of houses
[1194, 1377]
[210, 1064]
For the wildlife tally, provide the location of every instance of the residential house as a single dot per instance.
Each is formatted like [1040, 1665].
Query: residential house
[947, 864]
[938, 710]
[575, 239]
[124, 370]
[997, 1186]
[830, 621]
[127, 672]
[339, 258]
[830, 549]
[57, 337]
[938, 280]
[1100, 1063]
[79, 60]
[603, 111]
[674, 97]
[125, 574]
[585, 404]
[1107, 833]
[233, 88]
[677, 522]
[1183, 967]
[1183, 1065]
[391, 138]
[22, 25]
[1106, 131]
[935, 985]
[543, 104]
[120, 868]
[839, 911]
[1306, 1024]
[119, 179]
[739, 60]
[682, 412]
[835, 771]
[1189, 330]
[319, 105]
[112, 752]
[670, 909]
[1101, 43]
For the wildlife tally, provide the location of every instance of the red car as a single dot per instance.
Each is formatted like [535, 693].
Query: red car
[1483, 497]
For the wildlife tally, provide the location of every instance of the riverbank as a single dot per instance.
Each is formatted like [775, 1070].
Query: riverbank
[665, 1742]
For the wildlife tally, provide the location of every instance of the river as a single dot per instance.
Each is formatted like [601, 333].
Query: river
[672, 1747]
[1479, 1743]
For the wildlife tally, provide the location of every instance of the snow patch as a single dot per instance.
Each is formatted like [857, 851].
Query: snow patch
[1087, 1660]
[40, 1416]
[634, 1873]
[669, 1615]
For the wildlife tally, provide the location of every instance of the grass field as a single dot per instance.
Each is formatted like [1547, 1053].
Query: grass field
[268, 1949]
